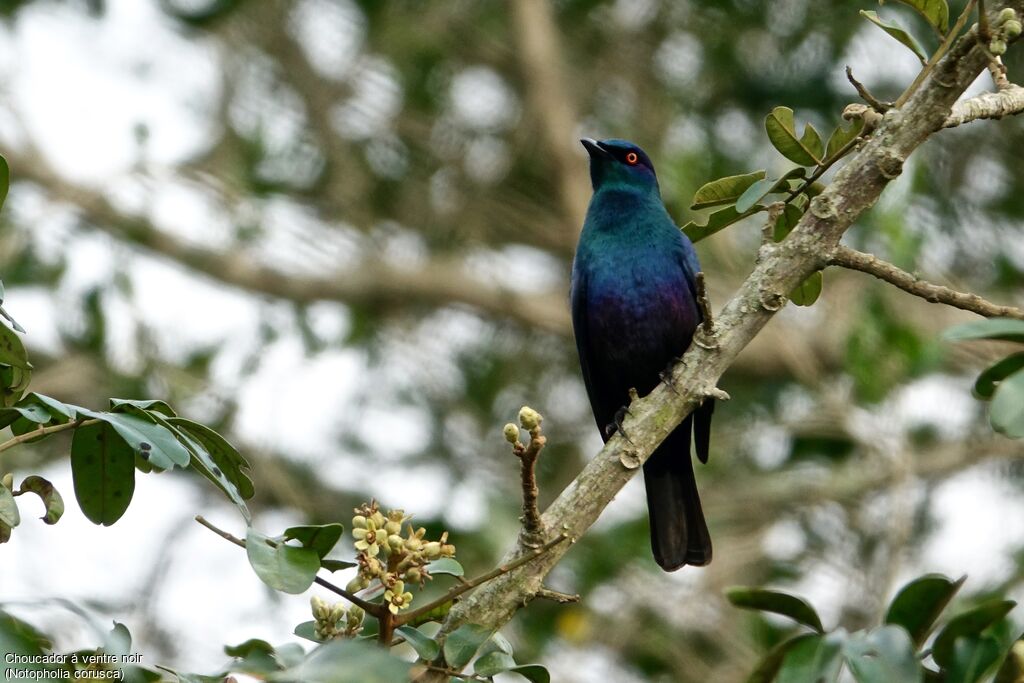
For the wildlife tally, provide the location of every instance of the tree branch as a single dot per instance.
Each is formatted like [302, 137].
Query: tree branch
[867, 263]
[1008, 101]
[855, 189]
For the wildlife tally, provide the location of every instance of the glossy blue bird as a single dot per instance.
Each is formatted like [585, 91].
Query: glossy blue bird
[634, 311]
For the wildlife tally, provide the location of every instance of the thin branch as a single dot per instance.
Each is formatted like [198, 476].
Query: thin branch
[43, 431]
[556, 596]
[370, 608]
[928, 69]
[533, 527]
[865, 94]
[867, 263]
[998, 71]
[1008, 101]
[500, 570]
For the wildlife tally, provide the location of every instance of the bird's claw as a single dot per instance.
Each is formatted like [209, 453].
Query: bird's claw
[616, 424]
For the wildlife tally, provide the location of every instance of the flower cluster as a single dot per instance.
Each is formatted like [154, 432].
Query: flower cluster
[392, 560]
[335, 621]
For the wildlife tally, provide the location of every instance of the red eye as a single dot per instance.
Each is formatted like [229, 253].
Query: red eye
[632, 158]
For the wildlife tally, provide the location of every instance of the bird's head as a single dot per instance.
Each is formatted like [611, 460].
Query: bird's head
[621, 163]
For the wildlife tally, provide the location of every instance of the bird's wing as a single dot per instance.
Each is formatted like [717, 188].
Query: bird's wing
[702, 415]
[579, 303]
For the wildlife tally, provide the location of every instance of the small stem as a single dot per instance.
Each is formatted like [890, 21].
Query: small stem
[939, 54]
[983, 29]
[371, 608]
[533, 527]
[455, 592]
[556, 596]
[43, 431]
[998, 71]
[865, 94]
[822, 168]
[387, 628]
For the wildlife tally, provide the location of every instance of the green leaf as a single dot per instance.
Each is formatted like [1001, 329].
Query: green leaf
[119, 641]
[9, 514]
[818, 659]
[755, 193]
[967, 624]
[883, 655]
[463, 642]
[716, 221]
[47, 493]
[446, 565]
[896, 32]
[103, 472]
[347, 661]
[60, 413]
[493, 663]
[1002, 329]
[805, 150]
[19, 637]
[282, 567]
[842, 136]
[786, 221]
[154, 442]
[307, 630]
[769, 665]
[918, 604]
[988, 380]
[724, 190]
[336, 565]
[808, 291]
[936, 12]
[34, 413]
[1007, 411]
[973, 658]
[425, 646]
[12, 349]
[532, 672]
[224, 456]
[320, 539]
[776, 602]
[122, 405]
[249, 647]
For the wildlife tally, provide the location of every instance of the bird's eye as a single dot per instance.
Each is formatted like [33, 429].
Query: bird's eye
[632, 158]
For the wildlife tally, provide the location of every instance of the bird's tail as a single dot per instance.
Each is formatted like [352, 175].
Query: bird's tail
[679, 534]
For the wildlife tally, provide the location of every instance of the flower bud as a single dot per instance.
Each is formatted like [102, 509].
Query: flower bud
[319, 608]
[432, 550]
[378, 519]
[413, 575]
[997, 47]
[1008, 14]
[337, 613]
[529, 418]
[396, 543]
[511, 433]
[357, 584]
[1011, 29]
[8, 481]
[392, 527]
[355, 615]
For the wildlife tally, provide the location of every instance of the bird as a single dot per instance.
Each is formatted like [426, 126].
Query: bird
[634, 313]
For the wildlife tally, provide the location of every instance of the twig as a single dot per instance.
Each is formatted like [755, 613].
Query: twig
[998, 71]
[370, 608]
[43, 431]
[533, 527]
[867, 263]
[865, 94]
[455, 592]
[556, 596]
[454, 673]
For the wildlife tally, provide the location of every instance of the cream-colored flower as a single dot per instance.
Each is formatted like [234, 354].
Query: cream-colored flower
[397, 598]
[368, 539]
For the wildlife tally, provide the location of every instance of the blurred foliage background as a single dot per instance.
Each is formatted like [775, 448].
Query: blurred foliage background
[340, 231]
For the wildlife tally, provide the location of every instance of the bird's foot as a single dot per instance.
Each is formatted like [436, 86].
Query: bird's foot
[666, 376]
[616, 424]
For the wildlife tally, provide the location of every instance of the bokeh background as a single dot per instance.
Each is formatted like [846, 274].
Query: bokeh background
[340, 231]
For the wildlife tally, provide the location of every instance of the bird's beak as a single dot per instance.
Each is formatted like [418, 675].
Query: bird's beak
[594, 148]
